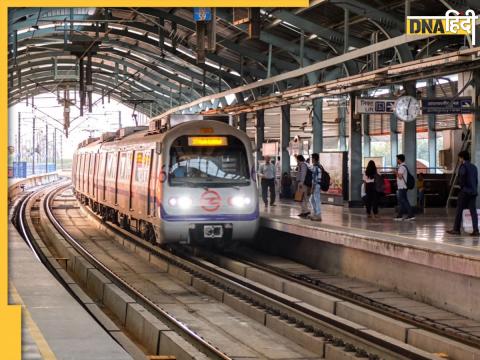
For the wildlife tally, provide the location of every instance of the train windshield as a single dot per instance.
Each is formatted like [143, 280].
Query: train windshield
[215, 162]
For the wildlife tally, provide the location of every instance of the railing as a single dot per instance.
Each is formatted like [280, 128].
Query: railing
[17, 186]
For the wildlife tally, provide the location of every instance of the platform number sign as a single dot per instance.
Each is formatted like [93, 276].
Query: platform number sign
[202, 14]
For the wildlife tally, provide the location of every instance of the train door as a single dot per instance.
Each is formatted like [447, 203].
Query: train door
[87, 173]
[95, 172]
[82, 171]
[124, 179]
[101, 176]
[151, 184]
[130, 180]
[91, 175]
[111, 178]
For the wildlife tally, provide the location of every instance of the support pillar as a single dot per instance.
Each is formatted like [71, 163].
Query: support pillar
[242, 122]
[317, 125]
[342, 114]
[354, 155]
[260, 133]
[432, 134]
[393, 141]
[46, 148]
[475, 146]
[366, 135]
[285, 138]
[19, 138]
[33, 146]
[410, 145]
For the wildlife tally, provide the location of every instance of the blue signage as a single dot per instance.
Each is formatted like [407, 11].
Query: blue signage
[461, 105]
[202, 14]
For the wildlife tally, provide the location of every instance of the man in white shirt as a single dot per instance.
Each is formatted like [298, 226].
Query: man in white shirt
[267, 175]
[404, 207]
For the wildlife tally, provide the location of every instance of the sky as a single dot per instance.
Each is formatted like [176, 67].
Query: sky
[47, 110]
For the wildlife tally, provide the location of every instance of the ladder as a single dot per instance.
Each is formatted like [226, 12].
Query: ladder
[453, 185]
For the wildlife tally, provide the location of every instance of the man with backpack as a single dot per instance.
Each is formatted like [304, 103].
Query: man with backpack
[315, 198]
[405, 182]
[467, 197]
[304, 176]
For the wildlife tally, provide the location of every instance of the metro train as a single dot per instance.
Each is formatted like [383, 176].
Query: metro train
[192, 182]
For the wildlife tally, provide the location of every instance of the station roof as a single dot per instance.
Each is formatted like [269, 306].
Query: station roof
[131, 63]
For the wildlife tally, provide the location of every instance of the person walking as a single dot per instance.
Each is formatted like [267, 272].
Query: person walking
[404, 207]
[467, 197]
[371, 179]
[302, 169]
[267, 175]
[315, 197]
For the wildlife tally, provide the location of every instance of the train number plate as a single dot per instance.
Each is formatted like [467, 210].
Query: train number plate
[213, 231]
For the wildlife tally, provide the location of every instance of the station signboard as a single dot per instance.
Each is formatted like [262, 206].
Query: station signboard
[461, 105]
[202, 14]
[374, 106]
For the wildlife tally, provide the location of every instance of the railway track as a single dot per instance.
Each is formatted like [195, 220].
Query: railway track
[296, 314]
[19, 219]
[313, 279]
[316, 323]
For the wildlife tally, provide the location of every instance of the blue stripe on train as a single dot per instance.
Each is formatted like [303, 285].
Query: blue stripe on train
[213, 217]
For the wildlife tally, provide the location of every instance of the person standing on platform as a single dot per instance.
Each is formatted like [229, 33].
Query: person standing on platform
[267, 175]
[371, 178]
[421, 192]
[315, 198]
[278, 176]
[404, 207]
[467, 197]
[302, 169]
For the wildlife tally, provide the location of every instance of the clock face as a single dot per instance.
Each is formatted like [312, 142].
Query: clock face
[407, 108]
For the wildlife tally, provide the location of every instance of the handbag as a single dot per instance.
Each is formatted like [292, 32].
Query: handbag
[299, 195]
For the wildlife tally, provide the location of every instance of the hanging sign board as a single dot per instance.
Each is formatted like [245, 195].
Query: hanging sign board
[270, 149]
[374, 106]
[461, 105]
[202, 14]
[295, 146]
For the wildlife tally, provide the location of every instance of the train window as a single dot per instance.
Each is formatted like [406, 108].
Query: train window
[212, 166]
[125, 165]
[142, 166]
[111, 165]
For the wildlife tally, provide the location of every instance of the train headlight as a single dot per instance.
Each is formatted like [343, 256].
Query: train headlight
[184, 202]
[172, 202]
[240, 201]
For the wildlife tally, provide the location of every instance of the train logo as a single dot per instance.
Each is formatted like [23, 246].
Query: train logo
[210, 201]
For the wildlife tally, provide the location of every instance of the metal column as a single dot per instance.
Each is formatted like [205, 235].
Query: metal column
[46, 148]
[393, 140]
[475, 147]
[354, 155]
[242, 121]
[260, 135]
[342, 133]
[317, 125]
[55, 148]
[19, 138]
[410, 145]
[367, 140]
[432, 134]
[33, 146]
[285, 139]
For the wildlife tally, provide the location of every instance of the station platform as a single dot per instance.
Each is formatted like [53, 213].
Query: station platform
[417, 258]
[54, 324]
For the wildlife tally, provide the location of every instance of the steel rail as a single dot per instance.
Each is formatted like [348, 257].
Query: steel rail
[235, 285]
[212, 351]
[364, 301]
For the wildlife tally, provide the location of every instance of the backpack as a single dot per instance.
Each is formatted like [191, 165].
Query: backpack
[325, 180]
[308, 177]
[410, 181]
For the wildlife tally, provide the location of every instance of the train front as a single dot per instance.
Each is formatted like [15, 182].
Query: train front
[210, 194]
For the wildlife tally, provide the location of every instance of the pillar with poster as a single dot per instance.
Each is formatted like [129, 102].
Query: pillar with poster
[335, 163]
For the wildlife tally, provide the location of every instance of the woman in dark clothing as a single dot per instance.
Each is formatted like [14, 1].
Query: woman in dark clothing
[370, 178]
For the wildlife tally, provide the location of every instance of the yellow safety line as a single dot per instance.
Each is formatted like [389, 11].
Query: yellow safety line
[35, 332]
